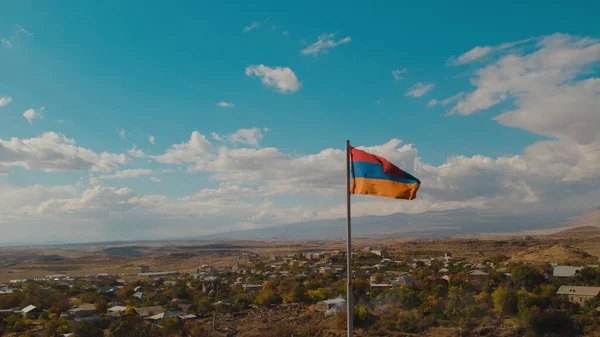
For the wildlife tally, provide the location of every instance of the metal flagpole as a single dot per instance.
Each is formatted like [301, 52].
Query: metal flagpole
[349, 306]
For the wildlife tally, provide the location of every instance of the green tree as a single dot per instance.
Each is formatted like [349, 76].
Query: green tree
[86, 329]
[505, 300]
[527, 277]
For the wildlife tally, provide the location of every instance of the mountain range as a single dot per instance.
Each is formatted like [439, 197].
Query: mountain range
[435, 223]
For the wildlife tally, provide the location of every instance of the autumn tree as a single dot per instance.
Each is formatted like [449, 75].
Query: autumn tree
[505, 300]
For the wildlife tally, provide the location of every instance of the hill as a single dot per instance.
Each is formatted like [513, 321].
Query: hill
[556, 253]
[591, 218]
[579, 232]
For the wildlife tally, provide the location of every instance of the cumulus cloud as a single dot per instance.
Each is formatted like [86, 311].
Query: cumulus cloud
[552, 91]
[324, 44]
[186, 152]
[155, 179]
[124, 174]
[250, 136]
[282, 79]
[31, 114]
[121, 133]
[136, 153]
[420, 89]
[4, 101]
[52, 152]
[399, 73]
[251, 26]
[151, 139]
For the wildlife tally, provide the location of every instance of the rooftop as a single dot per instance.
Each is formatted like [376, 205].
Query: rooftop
[578, 290]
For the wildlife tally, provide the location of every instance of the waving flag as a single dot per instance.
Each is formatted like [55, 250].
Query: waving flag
[374, 175]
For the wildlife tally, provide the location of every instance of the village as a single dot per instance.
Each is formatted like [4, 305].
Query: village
[304, 294]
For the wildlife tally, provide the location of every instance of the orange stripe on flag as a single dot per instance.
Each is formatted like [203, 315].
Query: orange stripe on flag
[384, 188]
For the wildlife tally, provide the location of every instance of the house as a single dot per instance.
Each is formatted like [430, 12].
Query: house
[325, 306]
[565, 271]
[252, 286]
[117, 311]
[179, 314]
[477, 278]
[139, 295]
[404, 280]
[31, 311]
[381, 252]
[6, 290]
[149, 311]
[83, 310]
[108, 289]
[325, 269]
[577, 294]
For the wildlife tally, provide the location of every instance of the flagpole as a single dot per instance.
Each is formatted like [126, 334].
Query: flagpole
[349, 306]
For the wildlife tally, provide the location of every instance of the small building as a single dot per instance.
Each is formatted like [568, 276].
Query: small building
[404, 280]
[250, 287]
[381, 252]
[565, 271]
[578, 294]
[31, 311]
[83, 310]
[477, 278]
[325, 269]
[139, 295]
[149, 311]
[324, 306]
[144, 269]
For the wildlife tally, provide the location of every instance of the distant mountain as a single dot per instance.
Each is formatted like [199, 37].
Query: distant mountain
[438, 223]
[591, 218]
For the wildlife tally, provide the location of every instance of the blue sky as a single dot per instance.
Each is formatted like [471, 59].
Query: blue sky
[91, 70]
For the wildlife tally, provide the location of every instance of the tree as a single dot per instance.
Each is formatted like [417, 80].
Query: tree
[526, 277]
[267, 297]
[101, 305]
[505, 300]
[86, 329]
[319, 294]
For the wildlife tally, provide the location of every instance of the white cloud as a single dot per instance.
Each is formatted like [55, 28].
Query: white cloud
[136, 153]
[399, 73]
[4, 101]
[187, 152]
[52, 152]
[31, 114]
[155, 179]
[226, 104]
[420, 89]
[323, 44]
[250, 136]
[282, 79]
[216, 136]
[446, 101]
[151, 139]
[285, 33]
[480, 52]
[552, 91]
[251, 26]
[124, 174]
[20, 29]
[6, 43]
[121, 133]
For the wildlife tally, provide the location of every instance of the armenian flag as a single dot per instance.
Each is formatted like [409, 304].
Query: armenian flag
[375, 175]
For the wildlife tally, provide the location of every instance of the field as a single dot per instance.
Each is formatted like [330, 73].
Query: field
[125, 259]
